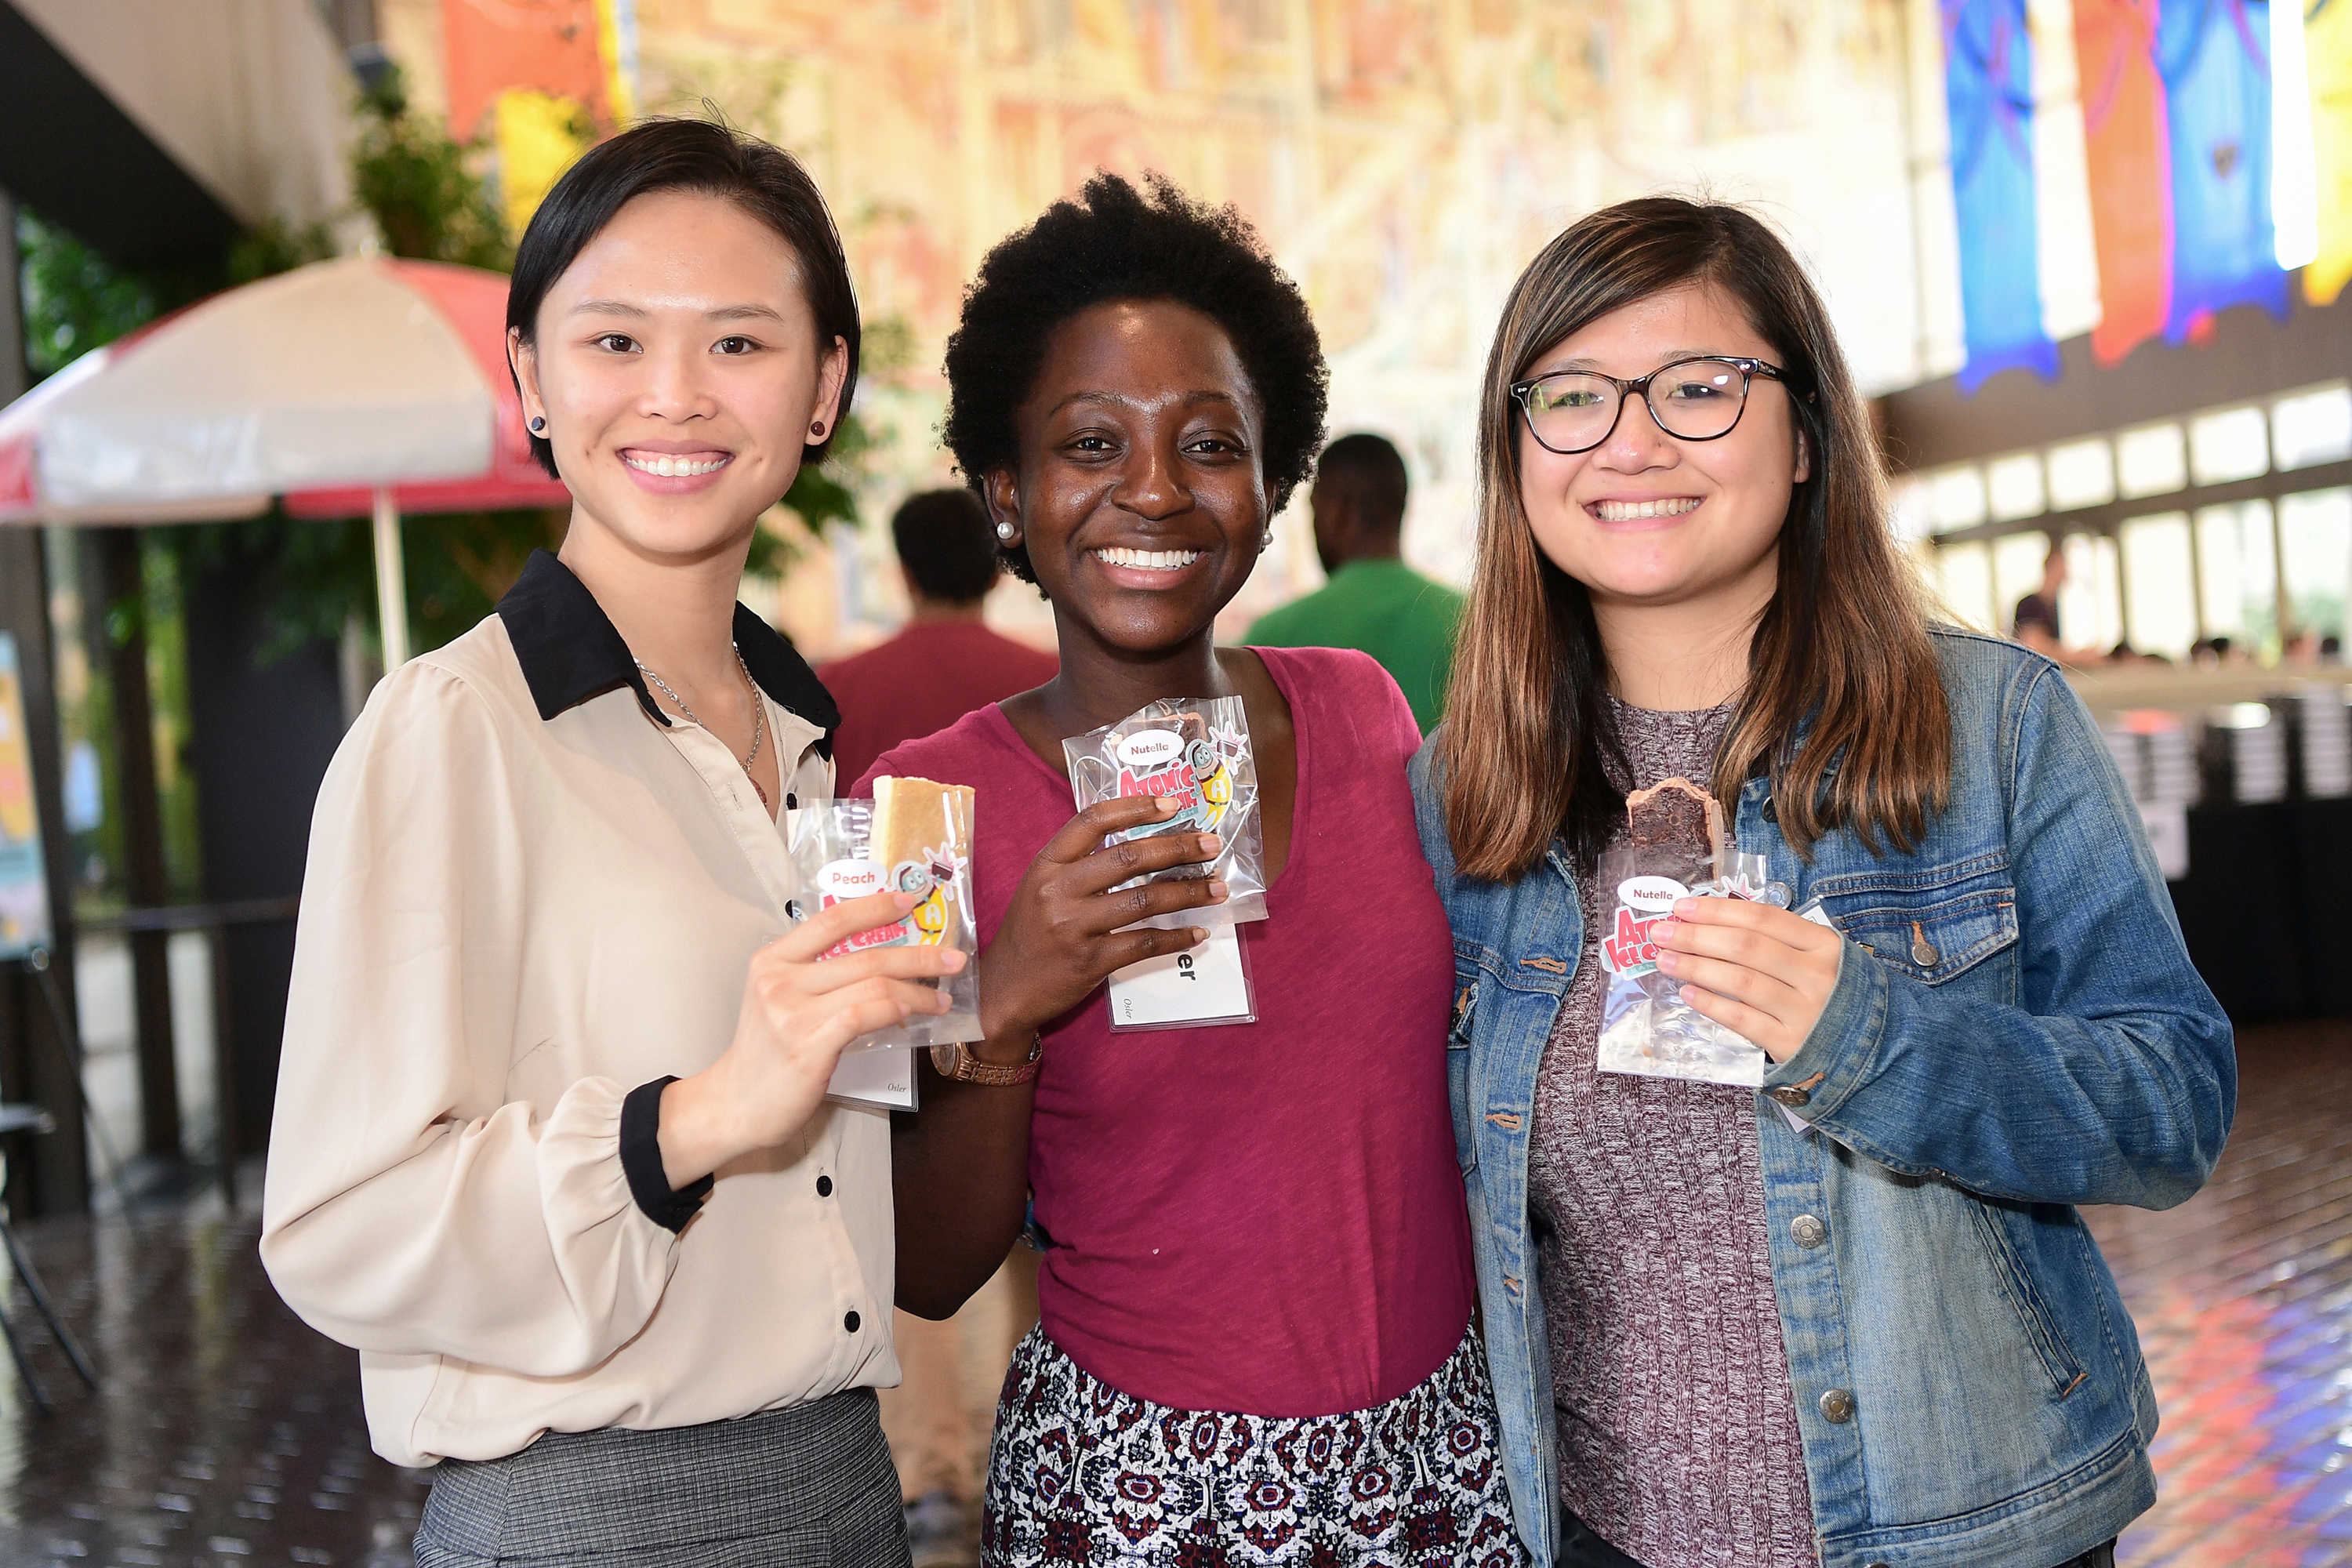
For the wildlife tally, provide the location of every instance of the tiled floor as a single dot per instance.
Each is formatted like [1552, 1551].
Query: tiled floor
[226, 1433]
[2243, 1298]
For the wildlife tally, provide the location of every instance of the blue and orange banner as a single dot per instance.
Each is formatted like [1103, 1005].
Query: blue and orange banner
[2127, 140]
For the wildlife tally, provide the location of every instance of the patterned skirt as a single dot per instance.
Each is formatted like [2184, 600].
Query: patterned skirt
[1079, 1472]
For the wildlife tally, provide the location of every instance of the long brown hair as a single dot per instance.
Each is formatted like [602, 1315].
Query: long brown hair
[1843, 705]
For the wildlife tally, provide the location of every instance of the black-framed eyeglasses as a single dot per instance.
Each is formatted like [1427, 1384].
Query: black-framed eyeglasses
[1697, 399]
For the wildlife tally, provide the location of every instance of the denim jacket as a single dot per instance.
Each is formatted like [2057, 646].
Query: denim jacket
[2016, 1029]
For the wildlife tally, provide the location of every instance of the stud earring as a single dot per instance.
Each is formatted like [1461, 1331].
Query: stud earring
[816, 428]
[1004, 531]
[1265, 540]
[539, 426]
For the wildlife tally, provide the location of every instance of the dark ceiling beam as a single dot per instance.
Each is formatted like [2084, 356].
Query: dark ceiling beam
[2253, 355]
[70, 153]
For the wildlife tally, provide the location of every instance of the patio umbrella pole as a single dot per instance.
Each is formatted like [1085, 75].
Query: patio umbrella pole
[390, 581]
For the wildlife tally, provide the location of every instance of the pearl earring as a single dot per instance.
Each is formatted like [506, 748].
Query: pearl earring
[1004, 531]
[1265, 540]
[539, 426]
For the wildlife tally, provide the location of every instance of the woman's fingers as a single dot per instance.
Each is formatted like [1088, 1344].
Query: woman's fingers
[1727, 978]
[1770, 1035]
[817, 935]
[907, 963]
[1089, 828]
[1759, 919]
[1135, 946]
[1115, 863]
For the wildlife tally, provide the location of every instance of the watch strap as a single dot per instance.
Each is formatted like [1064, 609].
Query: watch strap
[957, 1062]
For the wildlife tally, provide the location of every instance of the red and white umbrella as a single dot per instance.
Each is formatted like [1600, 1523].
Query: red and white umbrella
[347, 386]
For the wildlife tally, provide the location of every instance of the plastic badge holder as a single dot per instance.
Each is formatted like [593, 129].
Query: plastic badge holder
[1204, 986]
[833, 845]
[1197, 750]
[1646, 1028]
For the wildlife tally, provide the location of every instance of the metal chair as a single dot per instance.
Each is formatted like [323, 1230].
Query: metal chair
[34, 1120]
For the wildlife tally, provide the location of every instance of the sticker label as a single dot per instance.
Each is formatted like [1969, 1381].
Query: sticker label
[840, 880]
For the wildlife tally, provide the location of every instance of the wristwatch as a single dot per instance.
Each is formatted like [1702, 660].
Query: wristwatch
[956, 1060]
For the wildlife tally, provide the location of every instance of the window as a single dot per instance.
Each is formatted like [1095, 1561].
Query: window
[2017, 561]
[2091, 605]
[2312, 427]
[2229, 444]
[1956, 497]
[2082, 473]
[2152, 460]
[2237, 573]
[2013, 486]
[1963, 579]
[2316, 548]
[2159, 611]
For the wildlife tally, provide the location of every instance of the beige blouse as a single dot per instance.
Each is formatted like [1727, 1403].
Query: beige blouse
[526, 896]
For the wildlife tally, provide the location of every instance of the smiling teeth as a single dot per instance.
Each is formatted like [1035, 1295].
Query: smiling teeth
[1148, 560]
[1627, 510]
[672, 468]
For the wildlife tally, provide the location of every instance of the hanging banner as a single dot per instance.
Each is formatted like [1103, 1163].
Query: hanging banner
[2214, 57]
[2128, 140]
[545, 78]
[2327, 63]
[24, 874]
[1988, 92]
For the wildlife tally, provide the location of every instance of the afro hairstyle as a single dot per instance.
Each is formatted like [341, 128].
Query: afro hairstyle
[1117, 242]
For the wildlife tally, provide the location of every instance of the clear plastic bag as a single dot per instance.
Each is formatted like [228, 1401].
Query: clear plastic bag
[915, 836]
[1646, 1028]
[1197, 750]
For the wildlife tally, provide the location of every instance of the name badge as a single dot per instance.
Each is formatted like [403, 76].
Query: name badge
[1206, 985]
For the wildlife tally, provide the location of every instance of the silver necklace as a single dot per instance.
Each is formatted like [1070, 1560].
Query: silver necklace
[758, 712]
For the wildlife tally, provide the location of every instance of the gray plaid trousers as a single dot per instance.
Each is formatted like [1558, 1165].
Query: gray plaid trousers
[812, 1487]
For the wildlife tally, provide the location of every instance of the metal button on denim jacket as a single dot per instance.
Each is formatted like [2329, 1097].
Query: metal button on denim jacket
[2016, 1030]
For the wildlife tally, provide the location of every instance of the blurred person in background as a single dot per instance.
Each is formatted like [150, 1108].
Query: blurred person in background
[1373, 601]
[2035, 624]
[946, 662]
[1844, 1310]
[551, 1148]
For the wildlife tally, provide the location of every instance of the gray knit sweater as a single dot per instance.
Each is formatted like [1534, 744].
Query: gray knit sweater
[1678, 1439]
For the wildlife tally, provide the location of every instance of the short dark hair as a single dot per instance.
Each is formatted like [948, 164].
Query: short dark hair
[1369, 471]
[943, 541]
[1117, 242]
[763, 180]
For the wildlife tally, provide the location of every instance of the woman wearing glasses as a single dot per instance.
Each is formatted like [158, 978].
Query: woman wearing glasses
[1851, 1316]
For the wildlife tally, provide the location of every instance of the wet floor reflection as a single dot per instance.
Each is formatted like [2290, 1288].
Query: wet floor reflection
[225, 1432]
[2243, 1299]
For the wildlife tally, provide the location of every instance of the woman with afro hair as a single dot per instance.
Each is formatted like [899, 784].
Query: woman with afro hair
[1255, 1341]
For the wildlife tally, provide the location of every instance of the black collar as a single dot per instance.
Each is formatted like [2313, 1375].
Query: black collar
[570, 651]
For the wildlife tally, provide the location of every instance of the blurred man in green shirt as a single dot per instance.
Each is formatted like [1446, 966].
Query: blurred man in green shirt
[1373, 600]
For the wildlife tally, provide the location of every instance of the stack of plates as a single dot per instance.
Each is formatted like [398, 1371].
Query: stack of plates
[2257, 753]
[2172, 766]
[2130, 753]
[2326, 741]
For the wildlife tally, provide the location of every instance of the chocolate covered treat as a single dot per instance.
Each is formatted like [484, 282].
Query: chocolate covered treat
[1676, 814]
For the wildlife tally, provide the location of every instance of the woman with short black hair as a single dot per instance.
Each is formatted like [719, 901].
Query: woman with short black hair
[1255, 1341]
[551, 1147]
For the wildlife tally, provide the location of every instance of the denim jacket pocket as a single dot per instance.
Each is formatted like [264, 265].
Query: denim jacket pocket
[1930, 939]
[2041, 1325]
